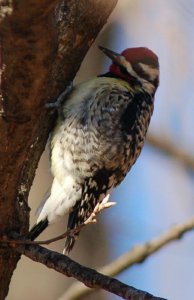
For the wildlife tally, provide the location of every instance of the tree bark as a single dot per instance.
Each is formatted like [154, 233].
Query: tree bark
[42, 44]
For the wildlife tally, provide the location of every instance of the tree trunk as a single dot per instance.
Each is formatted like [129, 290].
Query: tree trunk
[42, 44]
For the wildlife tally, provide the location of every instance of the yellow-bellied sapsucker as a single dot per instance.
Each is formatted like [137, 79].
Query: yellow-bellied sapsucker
[100, 132]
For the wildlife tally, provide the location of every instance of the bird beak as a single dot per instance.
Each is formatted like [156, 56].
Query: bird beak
[115, 57]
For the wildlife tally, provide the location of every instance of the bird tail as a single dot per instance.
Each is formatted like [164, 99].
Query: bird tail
[69, 243]
[70, 239]
[94, 190]
[37, 229]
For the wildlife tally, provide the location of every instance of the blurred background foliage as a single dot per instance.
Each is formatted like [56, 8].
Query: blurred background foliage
[159, 190]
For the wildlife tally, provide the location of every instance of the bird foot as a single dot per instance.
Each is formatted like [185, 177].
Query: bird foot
[98, 208]
[57, 104]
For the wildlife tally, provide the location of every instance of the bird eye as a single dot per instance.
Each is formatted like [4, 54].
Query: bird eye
[123, 70]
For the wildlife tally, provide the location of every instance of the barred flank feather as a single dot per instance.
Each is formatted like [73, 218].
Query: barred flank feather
[94, 190]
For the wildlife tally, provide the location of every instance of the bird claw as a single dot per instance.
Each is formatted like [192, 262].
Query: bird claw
[57, 104]
[104, 204]
[98, 208]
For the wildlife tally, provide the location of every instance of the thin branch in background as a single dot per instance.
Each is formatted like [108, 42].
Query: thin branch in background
[164, 145]
[137, 255]
[91, 278]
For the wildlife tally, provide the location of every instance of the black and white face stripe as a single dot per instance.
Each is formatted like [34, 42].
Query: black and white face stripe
[151, 72]
[139, 63]
[146, 74]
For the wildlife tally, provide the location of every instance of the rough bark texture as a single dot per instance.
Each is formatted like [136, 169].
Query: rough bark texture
[42, 44]
[91, 278]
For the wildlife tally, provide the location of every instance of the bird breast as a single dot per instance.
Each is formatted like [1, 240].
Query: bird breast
[90, 134]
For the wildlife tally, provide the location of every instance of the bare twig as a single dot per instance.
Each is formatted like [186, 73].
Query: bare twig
[167, 147]
[105, 203]
[68, 267]
[91, 278]
[136, 255]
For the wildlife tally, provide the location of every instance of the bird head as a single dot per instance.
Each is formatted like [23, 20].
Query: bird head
[139, 64]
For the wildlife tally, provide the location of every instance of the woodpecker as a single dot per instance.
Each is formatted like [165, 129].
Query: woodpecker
[100, 132]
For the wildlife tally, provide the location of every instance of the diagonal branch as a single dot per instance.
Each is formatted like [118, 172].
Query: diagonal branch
[167, 147]
[136, 255]
[68, 267]
[89, 277]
